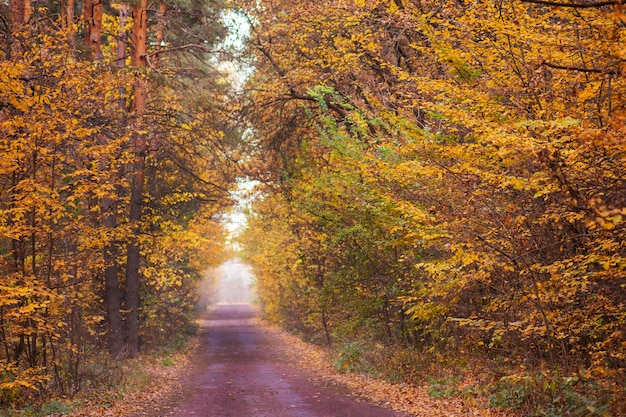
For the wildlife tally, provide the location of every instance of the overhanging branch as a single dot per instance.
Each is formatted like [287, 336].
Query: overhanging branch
[580, 69]
[588, 5]
[202, 48]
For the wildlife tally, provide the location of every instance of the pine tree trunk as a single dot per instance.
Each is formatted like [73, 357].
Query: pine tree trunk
[69, 12]
[95, 40]
[139, 33]
[160, 32]
[138, 41]
[113, 297]
[88, 16]
[133, 252]
[108, 209]
[20, 11]
[120, 47]
[67, 19]
[93, 27]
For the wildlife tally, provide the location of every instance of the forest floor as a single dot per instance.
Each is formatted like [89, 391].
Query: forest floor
[247, 367]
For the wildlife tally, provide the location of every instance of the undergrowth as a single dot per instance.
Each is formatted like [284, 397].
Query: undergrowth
[48, 408]
[497, 384]
[104, 381]
[548, 394]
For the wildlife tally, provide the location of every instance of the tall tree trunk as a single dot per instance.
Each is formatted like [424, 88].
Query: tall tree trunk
[139, 59]
[113, 296]
[160, 32]
[88, 19]
[69, 12]
[20, 11]
[67, 20]
[133, 250]
[108, 210]
[138, 34]
[93, 27]
[120, 47]
[95, 41]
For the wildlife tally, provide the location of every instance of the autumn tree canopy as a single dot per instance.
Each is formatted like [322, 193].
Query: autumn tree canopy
[113, 172]
[442, 185]
[448, 177]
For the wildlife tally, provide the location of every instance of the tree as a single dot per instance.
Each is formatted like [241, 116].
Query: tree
[66, 192]
[92, 34]
[450, 156]
[20, 13]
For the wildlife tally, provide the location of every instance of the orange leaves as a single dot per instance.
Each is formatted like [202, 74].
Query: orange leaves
[11, 87]
[607, 218]
[65, 169]
[49, 250]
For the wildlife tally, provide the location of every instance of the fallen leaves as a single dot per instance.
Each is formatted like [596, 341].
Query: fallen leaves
[398, 396]
[148, 383]
[152, 385]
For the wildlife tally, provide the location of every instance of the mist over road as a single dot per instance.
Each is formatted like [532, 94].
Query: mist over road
[230, 283]
[235, 283]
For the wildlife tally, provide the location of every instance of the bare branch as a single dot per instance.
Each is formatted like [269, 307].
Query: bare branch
[581, 69]
[202, 48]
[588, 5]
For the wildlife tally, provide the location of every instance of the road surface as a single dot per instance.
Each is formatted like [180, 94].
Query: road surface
[240, 374]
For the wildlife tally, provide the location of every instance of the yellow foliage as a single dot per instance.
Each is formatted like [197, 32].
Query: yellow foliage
[459, 161]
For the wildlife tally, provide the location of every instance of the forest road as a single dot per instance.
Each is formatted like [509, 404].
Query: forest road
[239, 373]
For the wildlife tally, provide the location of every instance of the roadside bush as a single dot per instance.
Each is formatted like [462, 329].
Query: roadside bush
[350, 358]
[550, 395]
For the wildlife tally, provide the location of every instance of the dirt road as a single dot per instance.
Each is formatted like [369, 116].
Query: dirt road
[240, 374]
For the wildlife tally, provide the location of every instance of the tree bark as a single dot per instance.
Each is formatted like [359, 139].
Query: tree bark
[93, 27]
[113, 297]
[138, 36]
[108, 209]
[69, 12]
[134, 250]
[88, 18]
[138, 60]
[160, 32]
[122, 41]
[67, 19]
[20, 11]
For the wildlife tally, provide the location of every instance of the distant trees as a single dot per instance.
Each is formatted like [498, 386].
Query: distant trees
[448, 176]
